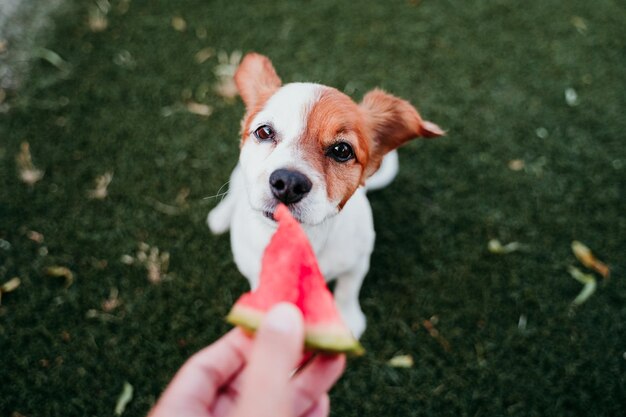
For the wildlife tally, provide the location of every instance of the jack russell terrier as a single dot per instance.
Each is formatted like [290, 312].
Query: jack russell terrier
[312, 148]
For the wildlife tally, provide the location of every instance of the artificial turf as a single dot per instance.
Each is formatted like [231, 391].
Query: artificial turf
[490, 334]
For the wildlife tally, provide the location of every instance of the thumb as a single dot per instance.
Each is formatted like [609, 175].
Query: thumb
[277, 349]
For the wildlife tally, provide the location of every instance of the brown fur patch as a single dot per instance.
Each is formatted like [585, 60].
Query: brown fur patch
[255, 78]
[250, 114]
[336, 118]
[392, 122]
[256, 82]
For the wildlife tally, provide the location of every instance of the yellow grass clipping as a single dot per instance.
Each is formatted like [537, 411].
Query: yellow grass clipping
[586, 257]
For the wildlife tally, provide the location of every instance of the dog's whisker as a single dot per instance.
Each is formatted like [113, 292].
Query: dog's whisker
[215, 196]
[219, 192]
[222, 187]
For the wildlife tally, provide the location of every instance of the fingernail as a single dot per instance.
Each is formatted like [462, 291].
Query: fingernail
[283, 318]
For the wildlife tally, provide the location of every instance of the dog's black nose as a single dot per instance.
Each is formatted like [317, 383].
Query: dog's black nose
[289, 186]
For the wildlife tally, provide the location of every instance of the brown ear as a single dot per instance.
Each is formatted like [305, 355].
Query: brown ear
[392, 122]
[256, 79]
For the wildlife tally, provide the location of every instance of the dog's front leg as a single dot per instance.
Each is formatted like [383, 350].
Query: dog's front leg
[347, 298]
[220, 217]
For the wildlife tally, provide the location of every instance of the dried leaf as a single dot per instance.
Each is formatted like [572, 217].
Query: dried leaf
[580, 24]
[586, 257]
[516, 164]
[181, 197]
[102, 184]
[35, 236]
[168, 111]
[164, 208]
[401, 361]
[4, 45]
[542, 132]
[112, 302]
[103, 317]
[429, 325]
[52, 58]
[127, 259]
[157, 265]
[589, 286]
[225, 72]
[61, 272]
[29, 173]
[9, 286]
[494, 246]
[179, 24]
[172, 210]
[199, 108]
[204, 54]
[98, 21]
[30, 177]
[227, 89]
[5, 244]
[125, 397]
[151, 258]
[571, 97]
[580, 276]
[124, 59]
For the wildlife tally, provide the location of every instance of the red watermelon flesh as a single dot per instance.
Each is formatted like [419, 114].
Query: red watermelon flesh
[290, 273]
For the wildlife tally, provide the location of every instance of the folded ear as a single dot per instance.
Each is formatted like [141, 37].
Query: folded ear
[391, 122]
[256, 79]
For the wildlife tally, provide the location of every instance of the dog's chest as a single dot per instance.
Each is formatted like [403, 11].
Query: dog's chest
[341, 244]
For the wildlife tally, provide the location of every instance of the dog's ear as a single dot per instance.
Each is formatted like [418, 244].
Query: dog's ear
[256, 79]
[391, 122]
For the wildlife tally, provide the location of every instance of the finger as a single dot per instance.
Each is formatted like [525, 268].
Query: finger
[316, 379]
[195, 385]
[278, 343]
[321, 408]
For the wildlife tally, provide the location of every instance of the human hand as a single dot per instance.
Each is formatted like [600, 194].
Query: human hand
[238, 376]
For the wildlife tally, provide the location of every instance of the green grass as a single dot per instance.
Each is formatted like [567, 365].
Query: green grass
[490, 72]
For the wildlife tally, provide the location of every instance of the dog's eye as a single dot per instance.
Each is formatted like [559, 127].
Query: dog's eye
[265, 132]
[340, 152]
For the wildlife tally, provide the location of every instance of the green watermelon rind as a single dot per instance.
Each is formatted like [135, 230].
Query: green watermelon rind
[317, 337]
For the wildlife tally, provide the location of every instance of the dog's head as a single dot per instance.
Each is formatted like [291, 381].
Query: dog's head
[310, 146]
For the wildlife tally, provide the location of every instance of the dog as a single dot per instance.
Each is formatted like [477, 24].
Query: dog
[314, 149]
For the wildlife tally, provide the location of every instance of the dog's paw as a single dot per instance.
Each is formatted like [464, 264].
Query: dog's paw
[354, 319]
[218, 220]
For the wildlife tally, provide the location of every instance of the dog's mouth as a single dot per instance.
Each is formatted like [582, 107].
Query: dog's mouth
[269, 215]
[295, 212]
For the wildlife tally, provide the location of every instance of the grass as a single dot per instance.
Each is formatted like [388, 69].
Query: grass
[492, 73]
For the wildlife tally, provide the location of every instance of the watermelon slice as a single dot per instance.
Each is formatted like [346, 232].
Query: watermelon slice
[289, 272]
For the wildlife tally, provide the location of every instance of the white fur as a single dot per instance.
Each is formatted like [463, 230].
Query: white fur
[343, 241]
[385, 174]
